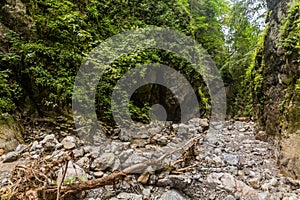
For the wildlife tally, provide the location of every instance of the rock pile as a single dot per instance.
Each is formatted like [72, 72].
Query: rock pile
[226, 162]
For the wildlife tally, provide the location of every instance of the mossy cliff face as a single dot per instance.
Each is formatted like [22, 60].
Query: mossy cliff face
[279, 113]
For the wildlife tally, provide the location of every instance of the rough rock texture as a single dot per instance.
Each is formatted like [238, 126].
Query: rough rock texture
[10, 135]
[14, 16]
[4, 44]
[229, 164]
[279, 112]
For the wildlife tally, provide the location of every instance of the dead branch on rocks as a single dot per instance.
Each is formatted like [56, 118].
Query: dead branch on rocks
[36, 181]
[118, 175]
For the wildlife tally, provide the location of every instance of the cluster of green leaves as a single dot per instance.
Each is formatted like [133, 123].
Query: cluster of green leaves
[290, 31]
[9, 92]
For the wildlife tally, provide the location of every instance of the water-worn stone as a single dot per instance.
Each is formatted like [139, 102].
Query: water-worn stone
[69, 142]
[84, 162]
[11, 156]
[244, 190]
[230, 197]
[214, 178]
[172, 195]
[92, 151]
[180, 181]
[49, 142]
[105, 161]
[78, 153]
[218, 172]
[124, 135]
[134, 159]
[254, 182]
[69, 139]
[217, 160]
[153, 179]
[211, 138]
[74, 173]
[98, 174]
[164, 182]
[49, 138]
[35, 145]
[69, 145]
[231, 159]
[228, 182]
[131, 196]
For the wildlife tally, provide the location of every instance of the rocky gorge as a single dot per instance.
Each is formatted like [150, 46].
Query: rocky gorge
[228, 163]
[43, 157]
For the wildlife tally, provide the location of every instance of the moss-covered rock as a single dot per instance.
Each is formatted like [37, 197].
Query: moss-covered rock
[11, 134]
[14, 16]
[278, 113]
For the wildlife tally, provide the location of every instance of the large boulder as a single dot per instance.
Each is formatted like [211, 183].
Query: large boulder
[11, 134]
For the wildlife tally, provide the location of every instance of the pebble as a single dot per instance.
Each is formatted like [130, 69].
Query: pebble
[69, 145]
[131, 196]
[78, 153]
[84, 162]
[164, 182]
[74, 173]
[172, 195]
[133, 159]
[146, 193]
[98, 174]
[231, 159]
[11, 156]
[105, 161]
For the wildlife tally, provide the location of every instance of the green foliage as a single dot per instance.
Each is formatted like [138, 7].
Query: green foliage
[297, 85]
[140, 114]
[204, 101]
[242, 39]
[65, 31]
[9, 91]
[241, 72]
[290, 31]
[249, 93]
[208, 20]
[290, 42]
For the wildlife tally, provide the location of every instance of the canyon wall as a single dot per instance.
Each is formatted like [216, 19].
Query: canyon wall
[279, 101]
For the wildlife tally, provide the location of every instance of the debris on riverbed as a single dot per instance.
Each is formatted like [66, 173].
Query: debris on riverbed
[158, 161]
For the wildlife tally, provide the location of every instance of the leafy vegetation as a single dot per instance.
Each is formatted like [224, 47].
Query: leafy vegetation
[40, 67]
[290, 42]
[245, 42]
[290, 33]
[10, 92]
